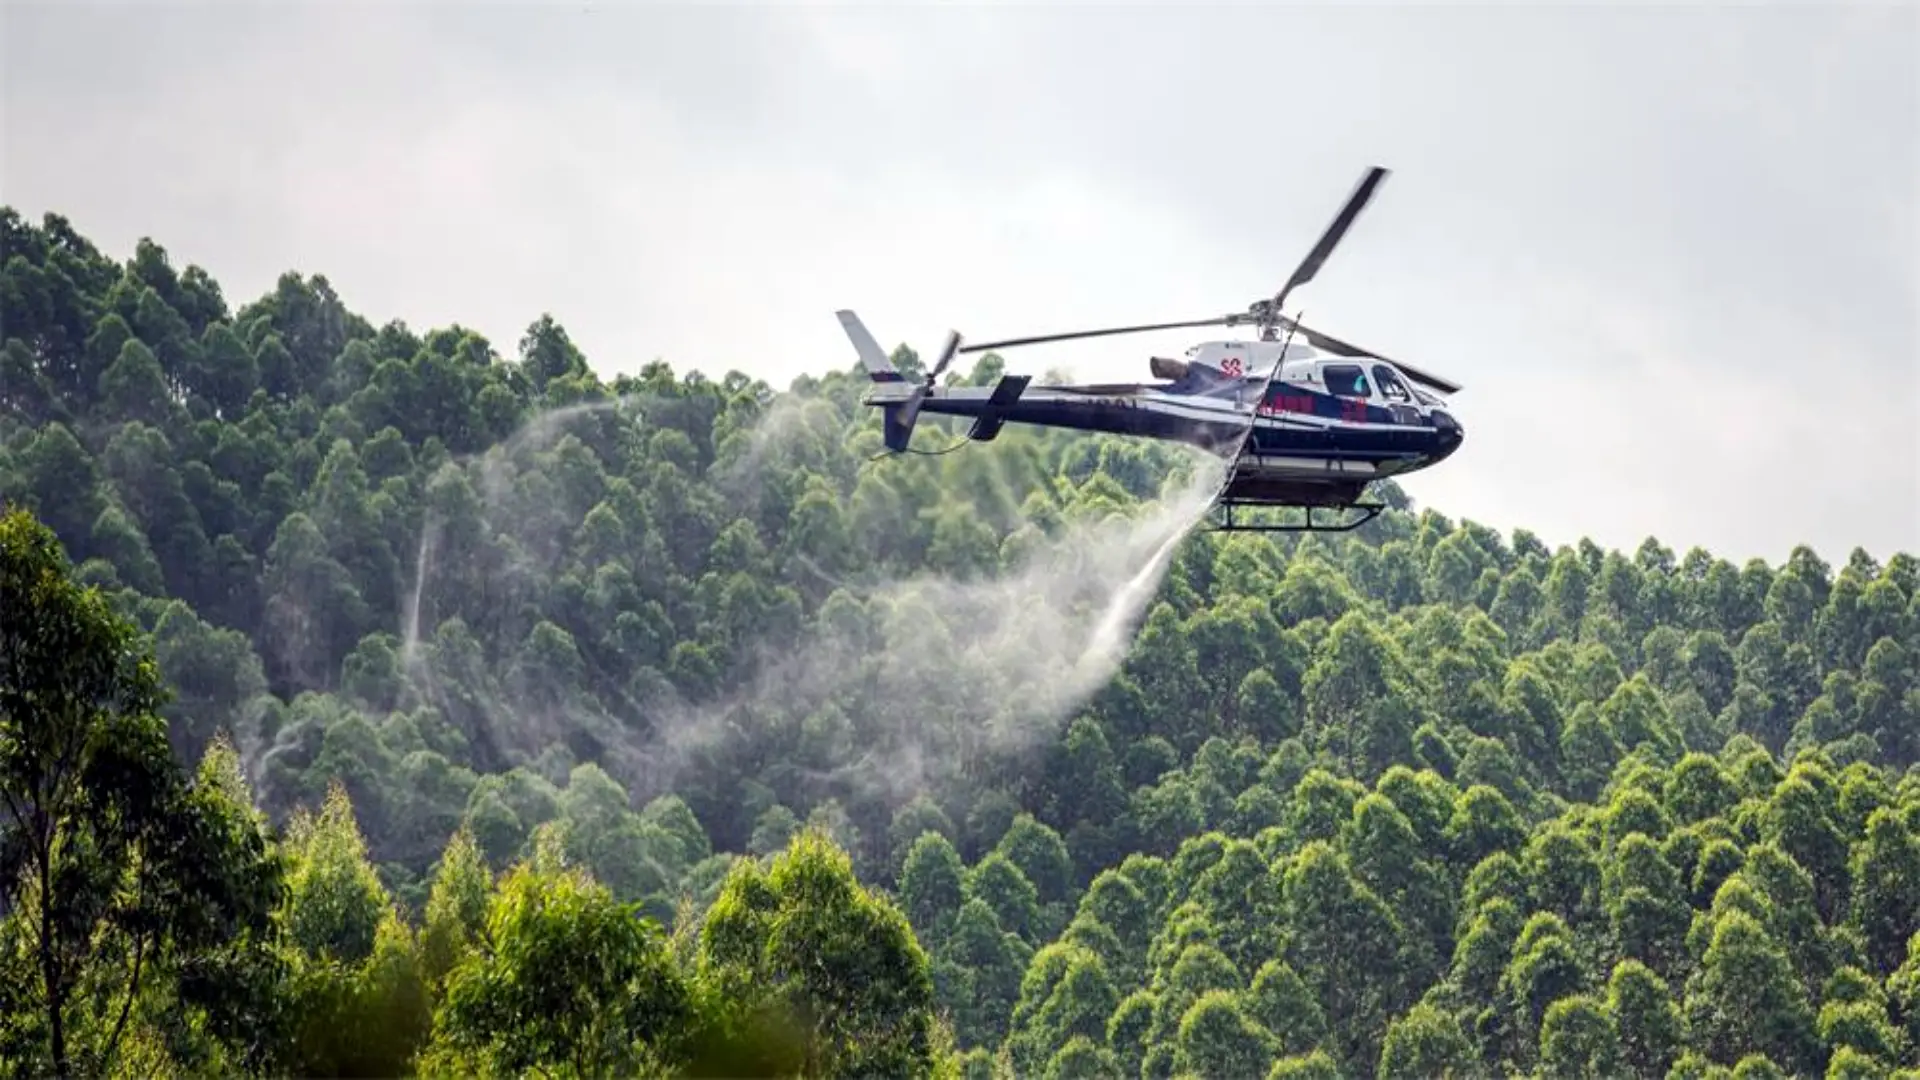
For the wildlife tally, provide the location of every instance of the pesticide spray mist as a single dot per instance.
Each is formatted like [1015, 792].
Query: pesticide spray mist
[893, 687]
[917, 677]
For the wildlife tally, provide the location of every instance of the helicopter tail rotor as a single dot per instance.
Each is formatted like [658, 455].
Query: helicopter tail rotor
[911, 408]
[898, 420]
[899, 415]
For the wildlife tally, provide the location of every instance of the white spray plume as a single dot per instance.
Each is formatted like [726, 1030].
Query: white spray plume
[940, 669]
[897, 686]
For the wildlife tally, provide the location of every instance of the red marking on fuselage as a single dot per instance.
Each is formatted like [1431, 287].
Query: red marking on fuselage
[1294, 403]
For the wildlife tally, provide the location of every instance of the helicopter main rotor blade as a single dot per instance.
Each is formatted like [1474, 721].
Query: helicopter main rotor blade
[1320, 339]
[1267, 313]
[1427, 379]
[1223, 320]
[1330, 239]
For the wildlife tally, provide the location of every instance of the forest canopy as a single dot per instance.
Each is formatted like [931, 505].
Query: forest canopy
[375, 703]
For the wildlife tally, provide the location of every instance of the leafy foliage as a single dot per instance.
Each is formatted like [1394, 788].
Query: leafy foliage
[551, 724]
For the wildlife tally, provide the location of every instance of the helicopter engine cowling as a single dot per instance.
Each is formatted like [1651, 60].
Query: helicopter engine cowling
[1164, 368]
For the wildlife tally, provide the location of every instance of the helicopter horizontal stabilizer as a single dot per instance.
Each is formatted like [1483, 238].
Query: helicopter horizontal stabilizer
[994, 417]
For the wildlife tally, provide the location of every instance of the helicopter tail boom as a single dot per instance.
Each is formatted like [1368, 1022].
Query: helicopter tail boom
[989, 416]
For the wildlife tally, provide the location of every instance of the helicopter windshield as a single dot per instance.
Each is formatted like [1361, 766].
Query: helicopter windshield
[1390, 385]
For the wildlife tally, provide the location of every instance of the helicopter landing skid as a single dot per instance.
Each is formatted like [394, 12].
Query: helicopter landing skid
[1228, 524]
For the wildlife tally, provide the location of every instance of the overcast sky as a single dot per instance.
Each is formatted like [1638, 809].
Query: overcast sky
[1670, 252]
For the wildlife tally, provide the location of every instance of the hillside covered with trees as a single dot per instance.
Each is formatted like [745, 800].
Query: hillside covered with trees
[374, 703]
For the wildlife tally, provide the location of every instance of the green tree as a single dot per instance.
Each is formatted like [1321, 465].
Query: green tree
[804, 940]
[1886, 887]
[358, 1000]
[568, 981]
[1578, 1039]
[1426, 1041]
[932, 886]
[456, 913]
[1646, 1019]
[1745, 995]
[1345, 944]
[1218, 1039]
[118, 871]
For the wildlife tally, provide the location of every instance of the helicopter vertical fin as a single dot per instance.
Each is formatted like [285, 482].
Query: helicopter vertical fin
[896, 423]
[872, 357]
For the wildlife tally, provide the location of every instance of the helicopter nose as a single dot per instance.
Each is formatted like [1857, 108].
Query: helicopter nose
[1450, 433]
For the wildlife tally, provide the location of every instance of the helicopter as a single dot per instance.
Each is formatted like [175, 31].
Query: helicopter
[1299, 426]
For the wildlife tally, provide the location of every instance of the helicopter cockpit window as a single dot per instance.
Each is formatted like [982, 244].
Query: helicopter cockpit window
[1390, 384]
[1346, 380]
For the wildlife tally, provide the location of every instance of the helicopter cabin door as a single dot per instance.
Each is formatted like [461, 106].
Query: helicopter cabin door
[1352, 390]
[1395, 395]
